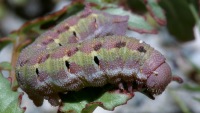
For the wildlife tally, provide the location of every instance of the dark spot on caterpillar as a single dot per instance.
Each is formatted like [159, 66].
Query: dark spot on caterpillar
[108, 34]
[37, 71]
[23, 63]
[20, 78]
[47, 41]
[59, 31]
[63, 29]
[76, 49]
[67, 64]
[59, 44]
[95, 23]
[43, 58]
[97, 47]
[141, 49]
[40, 60]
[95, 20]
[66, 27]
[96, 60]
[120, 44]
[74, 33]
[71, 52]
[18, 75]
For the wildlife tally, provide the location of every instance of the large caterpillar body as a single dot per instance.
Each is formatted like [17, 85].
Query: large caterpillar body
[86, 25]
[75, 58]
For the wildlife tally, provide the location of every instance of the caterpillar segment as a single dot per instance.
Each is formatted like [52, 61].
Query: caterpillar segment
[94, 63]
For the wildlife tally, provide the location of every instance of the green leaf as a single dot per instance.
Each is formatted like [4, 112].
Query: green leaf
[5, 66]
[86, 100]
[192, 88]
[180, 102]
[9, 100]
[180, 20]
[156, 11]
[136, 22]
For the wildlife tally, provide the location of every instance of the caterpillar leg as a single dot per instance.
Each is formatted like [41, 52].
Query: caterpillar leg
[37, 99]
[53, 99]
[121, 86]
[128, 89]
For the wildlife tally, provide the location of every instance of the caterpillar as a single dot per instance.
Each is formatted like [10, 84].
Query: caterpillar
[86, 25]
[91, 51]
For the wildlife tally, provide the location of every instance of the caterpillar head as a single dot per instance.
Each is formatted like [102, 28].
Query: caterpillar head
[159, 79]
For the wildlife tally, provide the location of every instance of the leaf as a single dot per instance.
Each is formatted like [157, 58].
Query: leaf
[5, 66]
[86, 100]
[136, 6]
[192, 88]
[33, 28]
[51, 19]
[180, 102]
[180, 21]
[103, 3]
[136, 22]
[156, 11]
[6, 40]
[9, 100]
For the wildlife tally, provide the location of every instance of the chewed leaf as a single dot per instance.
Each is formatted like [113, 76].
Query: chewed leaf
[136, 22]
[86, 100]
[156, 11]
[9, 100]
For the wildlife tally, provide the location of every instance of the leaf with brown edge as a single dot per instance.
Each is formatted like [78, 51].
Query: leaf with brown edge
[39, 23]
[100, 4]
[9, 101]
[156, 11]
[88, 99]
[136, 22]
[32, 29]
[7, 40]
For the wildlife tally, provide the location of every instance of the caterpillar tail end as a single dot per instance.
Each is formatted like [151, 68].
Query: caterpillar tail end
[177, 79]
